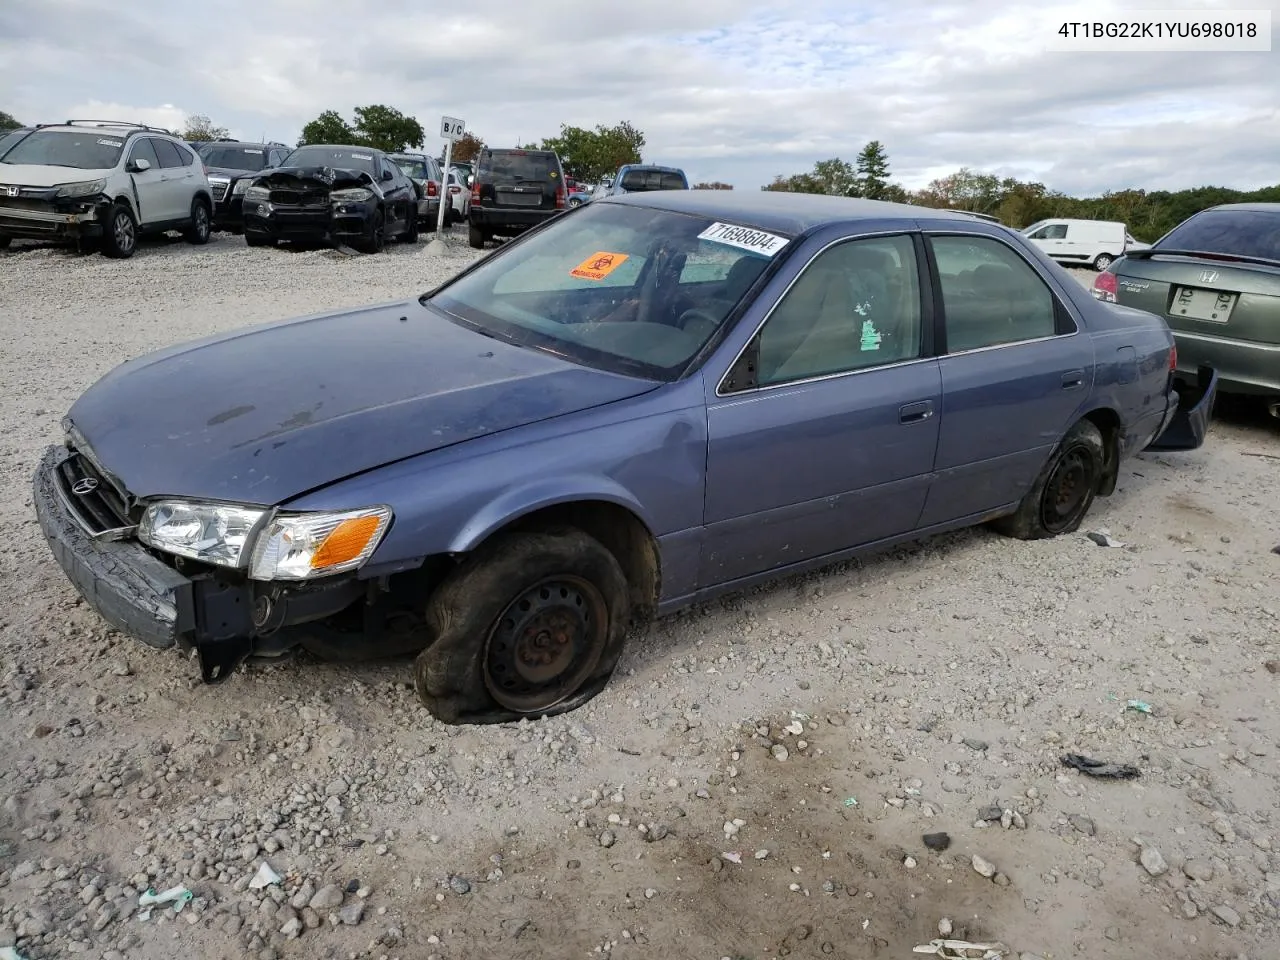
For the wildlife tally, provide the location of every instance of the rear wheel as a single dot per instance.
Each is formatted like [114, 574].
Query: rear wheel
[1061, 496]
[120, 233]
[410, 234]
[530, 625]
[476, 237]
[1104, 260]
[201, 225]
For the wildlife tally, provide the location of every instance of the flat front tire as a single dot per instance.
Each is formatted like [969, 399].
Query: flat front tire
[530, 625]
[1065, 489]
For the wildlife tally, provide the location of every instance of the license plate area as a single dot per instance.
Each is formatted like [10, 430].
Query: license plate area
[1212, 306]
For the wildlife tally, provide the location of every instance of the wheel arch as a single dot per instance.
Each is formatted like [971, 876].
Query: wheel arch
[613, 519]
[1111, 427]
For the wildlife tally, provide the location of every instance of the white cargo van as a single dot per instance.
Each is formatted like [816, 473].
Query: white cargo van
[1089, 243]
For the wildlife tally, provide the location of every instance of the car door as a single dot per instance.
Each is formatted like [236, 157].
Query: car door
[148, 185]
[828, 443]
[1052, 239]
[178, 185]
[1016, 368]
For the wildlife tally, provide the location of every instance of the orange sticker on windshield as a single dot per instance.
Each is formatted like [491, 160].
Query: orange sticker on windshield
[598, 266]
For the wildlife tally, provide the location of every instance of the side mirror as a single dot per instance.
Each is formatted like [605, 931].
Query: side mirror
[387, 175]
[139, 165]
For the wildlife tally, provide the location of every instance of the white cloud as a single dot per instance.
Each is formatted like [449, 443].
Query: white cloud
[166, 116]
[735, 90]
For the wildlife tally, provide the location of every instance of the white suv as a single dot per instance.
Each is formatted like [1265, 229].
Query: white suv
[91, 180]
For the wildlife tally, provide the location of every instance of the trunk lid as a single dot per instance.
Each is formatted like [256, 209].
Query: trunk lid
[1204, 295]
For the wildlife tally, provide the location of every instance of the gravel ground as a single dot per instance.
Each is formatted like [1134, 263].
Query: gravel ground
[757, 782]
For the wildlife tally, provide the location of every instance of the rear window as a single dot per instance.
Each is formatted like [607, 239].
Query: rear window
[233, 157]
[414, 169]
[89, 149]
[518, 165]
[642, 181]
[627, 289]
[1240, 233]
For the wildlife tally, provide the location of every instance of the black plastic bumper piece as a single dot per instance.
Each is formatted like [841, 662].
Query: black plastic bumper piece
[128, 587]
[1192, 406]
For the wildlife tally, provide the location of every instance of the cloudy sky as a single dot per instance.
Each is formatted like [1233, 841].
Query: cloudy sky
[734, 90]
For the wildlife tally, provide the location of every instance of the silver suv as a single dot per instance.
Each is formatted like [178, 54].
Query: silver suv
[102, 181]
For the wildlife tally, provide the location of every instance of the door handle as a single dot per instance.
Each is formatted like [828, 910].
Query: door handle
[915, 412]
[1072, 380]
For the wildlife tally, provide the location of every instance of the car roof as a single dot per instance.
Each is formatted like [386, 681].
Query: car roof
[786, 212]
[339, 146]
[1256, 207]
[650, 166]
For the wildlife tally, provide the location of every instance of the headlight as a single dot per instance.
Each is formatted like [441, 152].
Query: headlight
[209, 532]
[257, 193]
[86, 188]
[241, 186]
[300, 546]
[353, 193]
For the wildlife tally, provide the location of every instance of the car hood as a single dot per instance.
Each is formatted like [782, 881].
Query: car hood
[327, 178]
[233, 172]
[38, 175]
[265, 414]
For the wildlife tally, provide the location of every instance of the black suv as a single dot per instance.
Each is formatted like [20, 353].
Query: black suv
[231, 165]
[513, 191]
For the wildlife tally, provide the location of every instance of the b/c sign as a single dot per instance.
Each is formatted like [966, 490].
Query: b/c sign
[451, 128]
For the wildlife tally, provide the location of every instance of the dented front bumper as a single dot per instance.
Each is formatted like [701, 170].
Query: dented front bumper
[1190, 410]
[41, 220]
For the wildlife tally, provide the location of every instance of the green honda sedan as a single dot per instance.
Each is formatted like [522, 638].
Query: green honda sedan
[1215, 278]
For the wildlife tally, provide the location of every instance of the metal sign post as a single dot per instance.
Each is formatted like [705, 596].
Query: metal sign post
[451, 130]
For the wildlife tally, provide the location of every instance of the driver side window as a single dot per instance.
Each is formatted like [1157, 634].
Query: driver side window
[855, 306]
[142, 150]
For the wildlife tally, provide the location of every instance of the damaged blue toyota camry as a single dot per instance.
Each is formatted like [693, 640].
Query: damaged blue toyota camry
[641, 403]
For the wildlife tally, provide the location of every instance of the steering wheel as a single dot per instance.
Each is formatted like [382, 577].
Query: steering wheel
[700, 315]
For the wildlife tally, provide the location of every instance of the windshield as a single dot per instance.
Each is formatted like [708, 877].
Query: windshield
[1239, 233]
[622, 288]
[233, 157]
[330, 157]
[7, 140]
[413, 169]
[82, 149]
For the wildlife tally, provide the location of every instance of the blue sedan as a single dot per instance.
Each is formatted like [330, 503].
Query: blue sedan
[644, 402]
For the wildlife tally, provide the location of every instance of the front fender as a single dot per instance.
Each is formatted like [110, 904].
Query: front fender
[548, 492]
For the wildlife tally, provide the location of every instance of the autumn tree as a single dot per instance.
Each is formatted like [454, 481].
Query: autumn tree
[467, 148]
[378, 126]
[8, 121]
[200, 127]
[713, 185]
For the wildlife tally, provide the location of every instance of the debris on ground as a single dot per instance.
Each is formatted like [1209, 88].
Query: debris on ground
[937, 841]
[1101, 768]
[1103, 539]
[265, 877]
[1140, 705]
[963, 950]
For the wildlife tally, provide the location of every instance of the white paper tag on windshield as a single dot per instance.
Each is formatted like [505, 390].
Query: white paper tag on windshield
[744, 238]
[247, 150]
[362, 156]
[112, 143]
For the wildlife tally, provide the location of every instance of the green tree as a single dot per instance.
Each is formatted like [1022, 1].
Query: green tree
[833, 177]
[713, 185]
[8, 121]
[872, 171]
[590, 155]
[200, 127]
[386, 128]
[329, 127]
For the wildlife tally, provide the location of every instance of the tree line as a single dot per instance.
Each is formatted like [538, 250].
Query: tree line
[1018, 203]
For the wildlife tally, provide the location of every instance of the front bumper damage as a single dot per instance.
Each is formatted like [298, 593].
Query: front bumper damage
[222, 618]
[37, 214]
[299, 206]
[1189, 411]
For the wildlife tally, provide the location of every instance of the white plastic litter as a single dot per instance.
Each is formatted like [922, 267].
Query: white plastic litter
[179, 896]
[963, 950]
[8, 953]
[265, 877]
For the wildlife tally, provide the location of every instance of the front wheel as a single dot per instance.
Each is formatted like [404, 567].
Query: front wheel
[1063, 493]
[530, 625]
[201, 224]
[1104, 260]
[375, 237]
[258, 240]
[4, 242]
[120, 238]
[410, 234]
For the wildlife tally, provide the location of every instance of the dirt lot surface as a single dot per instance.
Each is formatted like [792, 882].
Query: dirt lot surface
[755, 783]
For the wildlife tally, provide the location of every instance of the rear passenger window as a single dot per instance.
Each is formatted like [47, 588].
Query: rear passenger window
[990, 295]
[857, 305]
[168, 154]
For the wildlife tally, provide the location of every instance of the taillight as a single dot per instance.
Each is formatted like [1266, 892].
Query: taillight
[559, 196]
[475, 192]
[1105, 287]
[432, 189]
[1173, 358]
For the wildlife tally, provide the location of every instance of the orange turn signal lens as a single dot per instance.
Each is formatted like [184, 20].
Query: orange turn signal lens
[347, 541]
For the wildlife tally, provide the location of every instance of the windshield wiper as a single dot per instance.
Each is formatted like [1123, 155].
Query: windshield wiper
[1228, 257]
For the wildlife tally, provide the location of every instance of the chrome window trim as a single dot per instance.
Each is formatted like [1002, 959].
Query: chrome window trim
[720, 393]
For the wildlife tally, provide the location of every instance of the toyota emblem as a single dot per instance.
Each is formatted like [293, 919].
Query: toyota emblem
[84, 487]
